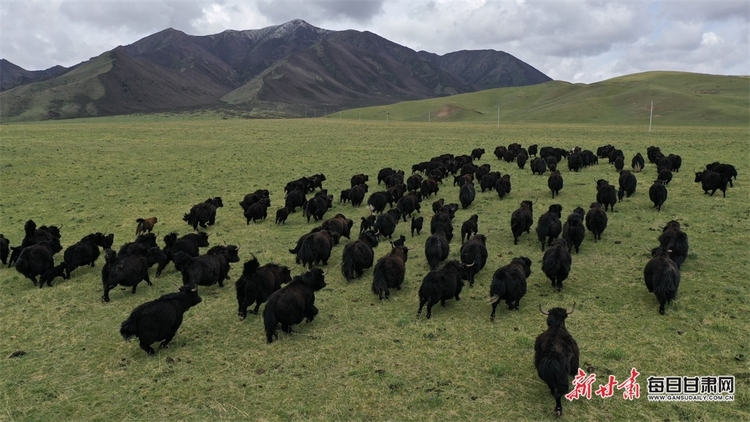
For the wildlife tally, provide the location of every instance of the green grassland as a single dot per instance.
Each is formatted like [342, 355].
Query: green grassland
[361, 359]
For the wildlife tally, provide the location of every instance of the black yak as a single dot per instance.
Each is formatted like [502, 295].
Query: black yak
[339, 224]
[208, 269]
[358, 255]
[416, 225]
[281, 215]
[317, 206]
[428, 187]
[662, 277]
[257, 283]
[665, 175]
[549, 226]
[315, 248]
[189, 243]
[293, 303]
[637, 162]
[255, 197]
[159, 320]
[442, 221]
[54, 272]
[34, 235]
[35, 260]
[408, 204]
[538, 166]
[440, 285]
[675, 241]
[573, 230]
[628, 183]
[204, 213]
[377, 201]
[658, 194]
[712, 181]
[521, 160]
[596, 220]
[606, 194]
[556, 263]
[145, 225]
[142, 243]
[86, 251]
[521, 220]
[367, 223]
[4, 249]
[476, 153]
[466, 194]
[556, 355]
[474, 256]
[555, 183]
[257, 211]
[359, 179]
[128, 270]
[509, 284]
[385, 225]
[295, 198]
[436, 249]
[488, 181]
[727, 170]
[389, 272]
[469, 227]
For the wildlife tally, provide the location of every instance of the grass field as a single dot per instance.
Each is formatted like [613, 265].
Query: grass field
[361, 359]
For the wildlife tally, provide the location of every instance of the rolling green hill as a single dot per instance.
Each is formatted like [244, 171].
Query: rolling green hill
[679, 99]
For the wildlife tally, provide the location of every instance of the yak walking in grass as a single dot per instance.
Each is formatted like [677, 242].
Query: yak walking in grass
[4, 249]
[86, 251]
[290, 305]
[662, 277]
[36, 260]
[675, 241]
[358, 255]
[389, 272]
[440, 285]
[258, 283]
[128, 270]
[549, 226]
[556, 263]
[658, 194]
[159, 320]
[509, 284]
[596, 220]
[189, 244]
[474, 256]
[204, 213]
[556, 355]
[521, 220]
[208, 269]
[573, 230]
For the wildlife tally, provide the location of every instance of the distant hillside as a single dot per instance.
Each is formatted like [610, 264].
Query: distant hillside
[283, 70]
[679, 99]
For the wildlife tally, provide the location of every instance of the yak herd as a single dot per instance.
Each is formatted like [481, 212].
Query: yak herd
[291, 299]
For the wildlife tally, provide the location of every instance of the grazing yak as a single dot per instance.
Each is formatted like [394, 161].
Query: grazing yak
[549, 226]
[474, 256]
[293, 303]
[596, 220]
[208, 269]
[145, 225]
[204, 213]
[86, 251]
[662, 277]
[159, 320]
[257, 283]
[416, 225]
[389, 271]
[130, 269]
[712, 181]
[573, 230]
[521, 220]
[440, 285]
[509, 284]
[358, 255]
[556, 355]
[556, 263]
[477, 153]
[189, 244]
[658, 194]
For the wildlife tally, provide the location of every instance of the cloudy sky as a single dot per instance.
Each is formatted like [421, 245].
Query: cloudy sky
[572, 40]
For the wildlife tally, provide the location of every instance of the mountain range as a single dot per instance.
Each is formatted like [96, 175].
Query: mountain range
[279, 71]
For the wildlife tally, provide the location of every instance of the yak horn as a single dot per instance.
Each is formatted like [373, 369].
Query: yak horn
[572, 310]
[470, 265]
[495, 298]
[542, 310]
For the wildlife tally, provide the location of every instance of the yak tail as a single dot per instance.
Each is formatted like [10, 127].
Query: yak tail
[347, 265]
[128, 329]
[553, 372]
[269, 321]
[379, 281]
